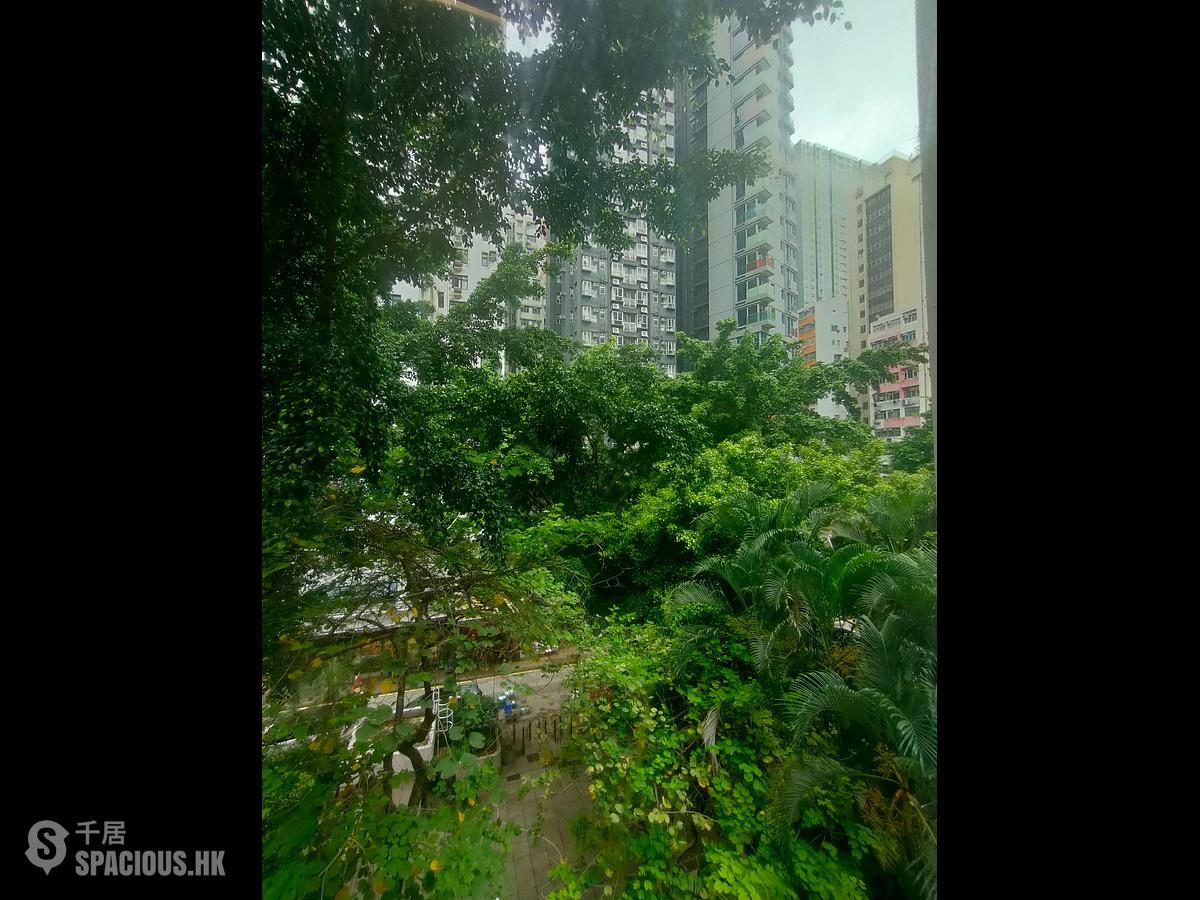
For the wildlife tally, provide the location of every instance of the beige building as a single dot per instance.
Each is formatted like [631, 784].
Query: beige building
[887, 296]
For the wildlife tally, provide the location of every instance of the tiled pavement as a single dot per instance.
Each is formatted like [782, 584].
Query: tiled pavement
[530, 859]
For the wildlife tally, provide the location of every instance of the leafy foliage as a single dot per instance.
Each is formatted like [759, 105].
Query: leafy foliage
[915, 451]
[755, 601]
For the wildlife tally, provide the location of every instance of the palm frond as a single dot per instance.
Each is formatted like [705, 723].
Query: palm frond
[685, 646]
[708, 731]
[916, 735]
[795, 784]
[813, 693]
[693, 593]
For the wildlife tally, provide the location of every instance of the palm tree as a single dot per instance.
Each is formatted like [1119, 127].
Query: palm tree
[888, 712]
[768, 523]
[786, 594]
[898, 522]
[785, 602]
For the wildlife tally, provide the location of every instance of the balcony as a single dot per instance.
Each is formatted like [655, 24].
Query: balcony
[753, 135]
[755, 83]
[666, 256]
[586, 265]
[755, 190]
[752, 213]
[766, 291]
[749, 111]
[749, 59]
[760, 265]
[758, 240]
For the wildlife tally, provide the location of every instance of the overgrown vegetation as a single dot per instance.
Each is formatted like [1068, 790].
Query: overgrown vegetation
[753, 599]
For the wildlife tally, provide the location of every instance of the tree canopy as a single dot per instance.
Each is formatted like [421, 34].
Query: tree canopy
[752, 598]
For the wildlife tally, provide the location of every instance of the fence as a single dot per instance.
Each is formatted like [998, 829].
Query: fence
[528, 735]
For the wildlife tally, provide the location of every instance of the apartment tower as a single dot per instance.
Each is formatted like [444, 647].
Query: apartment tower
[888, 297]
[628, 297]
[744, 264]
[824, 183]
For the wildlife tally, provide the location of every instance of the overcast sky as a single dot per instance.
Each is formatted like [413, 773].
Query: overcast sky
[855, 91]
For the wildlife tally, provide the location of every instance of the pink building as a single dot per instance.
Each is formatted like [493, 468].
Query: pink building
[897, 405]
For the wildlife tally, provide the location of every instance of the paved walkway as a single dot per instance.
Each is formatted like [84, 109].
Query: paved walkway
[531, 858]
[547, 690]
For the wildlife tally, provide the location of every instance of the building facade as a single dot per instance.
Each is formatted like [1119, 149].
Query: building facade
[474, 263]
[744, 265]
[888, 298]
[824, 180]
[628, 297]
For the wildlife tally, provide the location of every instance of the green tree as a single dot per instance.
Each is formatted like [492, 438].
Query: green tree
[387, 127]
[735, 387]
[896, 520]
[915, 450]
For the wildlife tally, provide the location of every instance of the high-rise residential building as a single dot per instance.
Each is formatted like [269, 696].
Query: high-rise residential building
[824, 180]
[744, 264]
[474, 263]
[628, 296]
[888, 293]
[527, 231]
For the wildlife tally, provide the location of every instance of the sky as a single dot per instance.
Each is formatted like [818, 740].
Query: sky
[855, 91]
